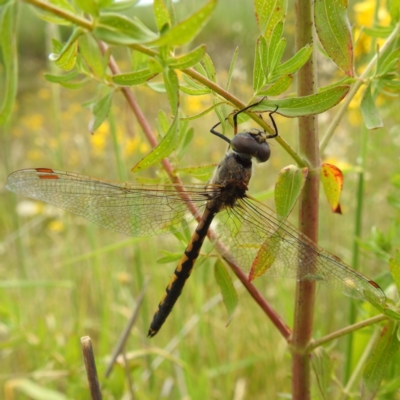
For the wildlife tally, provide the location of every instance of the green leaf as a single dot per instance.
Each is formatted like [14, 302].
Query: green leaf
[293, 64]
[260, 62]
[172, 88]
[185, 31]
[67, 58]
[158, 87]
[232, 68]
[88, 6]
[169, 257]
[322, 367]
[9, 58]
[268, 13]
[118, 6]
[307, 105]
[394, 8]
[90, 51]
[225, 284]
[332, 181]
[118, 29]
[202, 172]
[161, 14]
[66, 80]
[155, 65]
[387, 62]
[334, 32]
[277, 57]
[133, 78]
[187, 60]
[380, 359]
[194, 92]
[288, 187]
[273, 41]
[101, 110]
[369, 110]
[167, 145]
[35, 391]
[209, 68]
[280, 86]
[394, 264]
[206, 111]
[381, 32]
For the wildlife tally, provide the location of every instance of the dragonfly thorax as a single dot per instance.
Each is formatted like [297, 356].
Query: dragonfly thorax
[252, 144]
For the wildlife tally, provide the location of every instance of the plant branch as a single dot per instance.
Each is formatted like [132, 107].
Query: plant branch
[84, 23]
[344, 331]
[356, 86]
[257, 296]
[308, 210]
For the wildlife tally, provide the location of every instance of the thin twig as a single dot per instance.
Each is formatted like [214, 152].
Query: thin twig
[344, 331]
[90, 365]
[118, 349]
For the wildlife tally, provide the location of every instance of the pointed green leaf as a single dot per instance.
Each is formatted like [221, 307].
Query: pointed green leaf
[268, 13]
[169, 257]
[369, 111]
[172, 88]
[209, 68]
[194, 92]
[288, 187]
[67, 57]
[67, 80]
[189, 59]
[307, 105]
[167, 145]
[133, 78]
[394, 264]
[293, 64]
[90, 51]
[273, 41]
[332, 181]
[118, 6]
[101, 110]
[280, 86]
[388, 61]
[232, 68]
[9, 58]
[202, 172]
[392, 314]
[206, 111]
[225, 284]
[88, 6]
[186, 30]
[334, 32]
[380, 359]
[161, 14]
[260, 62]
[118, 29]
[322, 367]
[277, 57]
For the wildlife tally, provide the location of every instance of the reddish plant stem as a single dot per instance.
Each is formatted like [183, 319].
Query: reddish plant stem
[257, 296]
[308, 212]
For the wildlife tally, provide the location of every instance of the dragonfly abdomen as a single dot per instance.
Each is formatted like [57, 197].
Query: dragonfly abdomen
[181, 273]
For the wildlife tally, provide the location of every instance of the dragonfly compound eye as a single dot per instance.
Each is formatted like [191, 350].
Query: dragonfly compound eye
[245, 143]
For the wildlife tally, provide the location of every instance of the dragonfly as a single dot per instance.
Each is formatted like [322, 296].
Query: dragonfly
[251, 231]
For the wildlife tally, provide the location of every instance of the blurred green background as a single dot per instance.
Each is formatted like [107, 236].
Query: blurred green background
[63, 278]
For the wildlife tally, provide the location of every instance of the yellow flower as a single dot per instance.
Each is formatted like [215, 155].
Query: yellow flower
[56, 226]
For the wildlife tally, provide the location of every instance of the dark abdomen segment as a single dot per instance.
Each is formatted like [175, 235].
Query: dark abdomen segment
[181, 273]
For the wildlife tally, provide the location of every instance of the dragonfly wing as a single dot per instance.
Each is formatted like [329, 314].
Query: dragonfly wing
[264, 245]
[136, 210]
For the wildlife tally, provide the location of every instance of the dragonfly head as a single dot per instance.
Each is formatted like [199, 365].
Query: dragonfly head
[252, 143]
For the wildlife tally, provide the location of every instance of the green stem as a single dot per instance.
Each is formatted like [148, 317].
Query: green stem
[344, 331]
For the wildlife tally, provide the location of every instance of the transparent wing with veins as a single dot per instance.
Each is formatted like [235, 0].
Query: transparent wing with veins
[250, 231]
